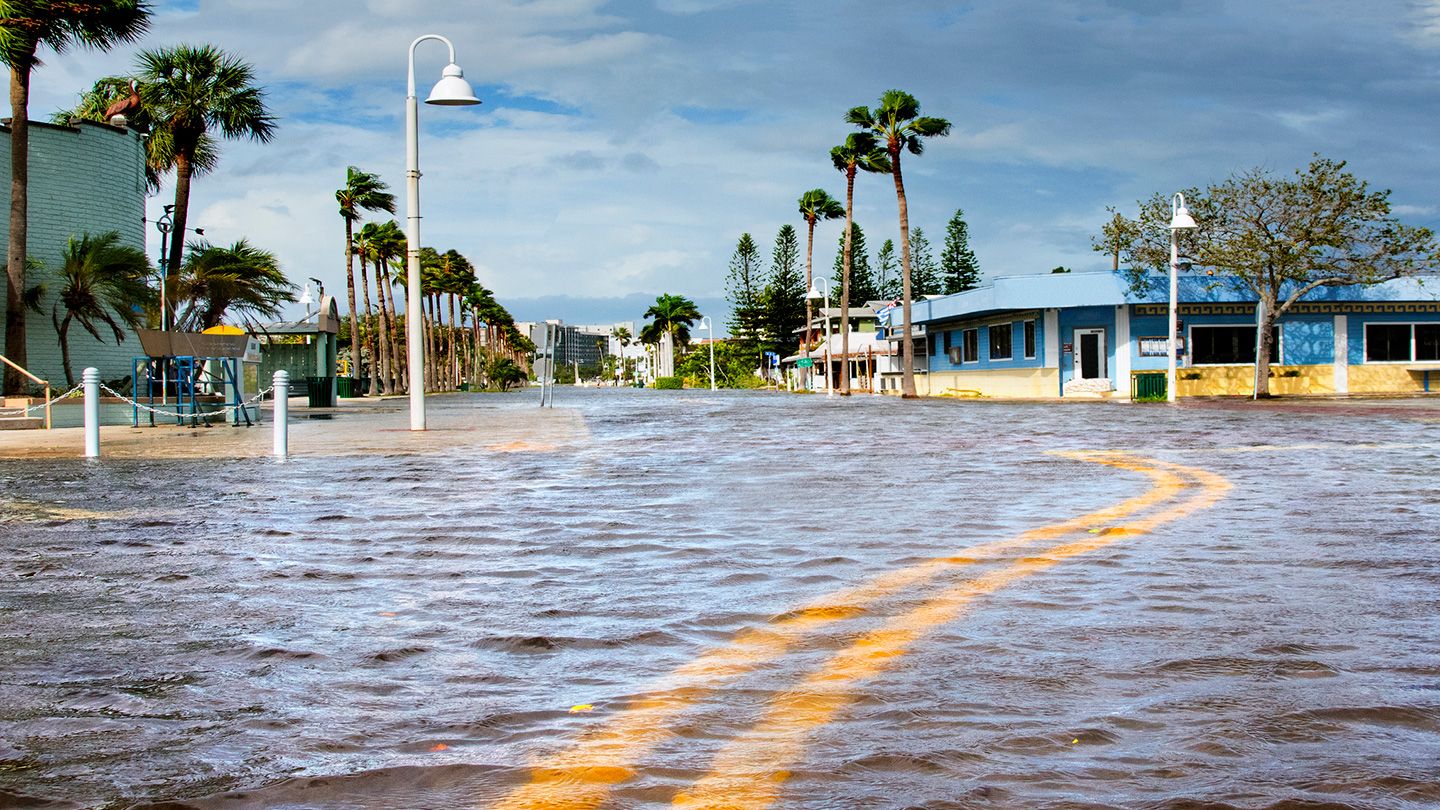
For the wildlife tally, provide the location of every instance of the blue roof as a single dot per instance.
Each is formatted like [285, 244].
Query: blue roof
[1106, 288]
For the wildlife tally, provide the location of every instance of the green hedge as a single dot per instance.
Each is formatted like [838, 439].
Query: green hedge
[668, 383]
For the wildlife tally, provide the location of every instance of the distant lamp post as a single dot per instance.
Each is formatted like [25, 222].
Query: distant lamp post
[451, 91]
[709, 327]
[164, 226]
[816, 295]
[1180, 220]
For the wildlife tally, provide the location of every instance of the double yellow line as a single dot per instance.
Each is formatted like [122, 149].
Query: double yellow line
[748, 772]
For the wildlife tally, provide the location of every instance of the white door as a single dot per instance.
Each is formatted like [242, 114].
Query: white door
[1090, 354]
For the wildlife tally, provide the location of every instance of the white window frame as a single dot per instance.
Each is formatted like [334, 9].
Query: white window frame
[990, 329]
[1252, 326]
[1034, 341]
[1365, 341]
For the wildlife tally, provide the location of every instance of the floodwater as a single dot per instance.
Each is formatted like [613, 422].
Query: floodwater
[738, 600]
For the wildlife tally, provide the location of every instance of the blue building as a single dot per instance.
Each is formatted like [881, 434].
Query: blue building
[1090, 335]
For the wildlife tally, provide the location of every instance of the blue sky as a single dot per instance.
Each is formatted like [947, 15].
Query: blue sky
[623, 147]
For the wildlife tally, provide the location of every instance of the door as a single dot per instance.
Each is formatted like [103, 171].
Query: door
[1090, 354]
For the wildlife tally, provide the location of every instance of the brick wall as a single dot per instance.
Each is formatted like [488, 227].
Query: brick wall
[84, 179]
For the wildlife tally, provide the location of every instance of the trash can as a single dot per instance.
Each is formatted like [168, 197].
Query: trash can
[345, 386]
[322, 391]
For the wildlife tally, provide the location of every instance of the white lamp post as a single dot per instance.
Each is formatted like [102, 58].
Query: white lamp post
[816, 295]
[709, 327]
[452, 90]
[1180, 219]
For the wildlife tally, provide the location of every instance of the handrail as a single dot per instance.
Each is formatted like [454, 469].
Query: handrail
[45, 383]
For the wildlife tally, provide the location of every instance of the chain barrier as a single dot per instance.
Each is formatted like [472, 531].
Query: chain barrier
[180, 415]
[25, 411]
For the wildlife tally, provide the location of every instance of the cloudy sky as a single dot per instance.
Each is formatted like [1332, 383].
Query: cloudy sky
[624, 146]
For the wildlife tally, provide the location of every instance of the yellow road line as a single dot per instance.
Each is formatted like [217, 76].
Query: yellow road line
[582, 775]
[748, 772]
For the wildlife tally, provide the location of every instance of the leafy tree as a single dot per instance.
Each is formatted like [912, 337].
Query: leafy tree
[859, 151]
[746, 286]
[1060, 269]
[240, 279]
[1279, 238]
[25, 26]
[815, 205]
[191, 92]
[899, 127]
[863, 286]
[503, 374]
[363, 191]
[784, 294]
[958, 266]
[735, 366]
[671, 315]
[103, 281]
[925, 273]
[1115, 237]
[887, 280]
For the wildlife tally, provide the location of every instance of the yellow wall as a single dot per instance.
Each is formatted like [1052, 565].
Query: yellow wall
[1222, 381]
[1013, 383]
[1375, 378]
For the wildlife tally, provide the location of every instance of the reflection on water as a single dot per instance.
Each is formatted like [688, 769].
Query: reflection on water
[396, 630]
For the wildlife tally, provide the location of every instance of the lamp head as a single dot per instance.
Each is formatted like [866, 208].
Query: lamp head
[452, 90]
[813, 294]
[305, 297]
[1180, 219]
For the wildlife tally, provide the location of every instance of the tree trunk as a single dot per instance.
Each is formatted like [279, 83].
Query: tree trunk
[14, 381]
[64, 331]
[184, 169]
[845, 285]
[1265, 342]
[428, 303]
[907, 347]
[370, 339]
[397, 365]
[454, 344]
[809, 307]
[350, 291]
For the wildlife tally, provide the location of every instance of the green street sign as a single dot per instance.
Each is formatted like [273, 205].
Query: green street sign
[804, 362]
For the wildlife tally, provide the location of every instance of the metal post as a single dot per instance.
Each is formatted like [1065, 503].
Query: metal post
[282, 414]
[414, 337]
[1174, 316]
[90, 378]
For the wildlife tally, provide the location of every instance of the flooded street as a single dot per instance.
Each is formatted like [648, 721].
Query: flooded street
[737, 600]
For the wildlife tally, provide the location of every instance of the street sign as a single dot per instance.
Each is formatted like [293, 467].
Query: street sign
[804, 362]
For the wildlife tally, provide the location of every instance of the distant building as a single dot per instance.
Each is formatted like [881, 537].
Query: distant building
[584, 344]
[86, 178]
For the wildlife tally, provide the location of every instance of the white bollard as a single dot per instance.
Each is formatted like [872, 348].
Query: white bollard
[90, 379]
[282, 414]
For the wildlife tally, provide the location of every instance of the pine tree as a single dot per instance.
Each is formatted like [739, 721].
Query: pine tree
[784, 295]
[924, 273]
[745, 287]
[862, 278]
[887, 272]
[957, 262]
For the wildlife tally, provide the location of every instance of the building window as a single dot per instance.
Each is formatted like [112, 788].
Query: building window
[1029, 340]
[1000, 336]
[1401, 342]
[1229, 345]
[970, 339]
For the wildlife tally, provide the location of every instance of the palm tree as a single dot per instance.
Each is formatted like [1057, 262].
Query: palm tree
[389, 242]
[364, 250]
[362, 191]
[25, 25]
[815, 205]
[624, 338]
[858, 152]
[898, 125]
[672, 315]
[104, 281]
[190, 92]
[239, 280]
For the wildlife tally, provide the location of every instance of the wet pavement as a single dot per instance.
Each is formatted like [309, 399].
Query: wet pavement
[651, 599]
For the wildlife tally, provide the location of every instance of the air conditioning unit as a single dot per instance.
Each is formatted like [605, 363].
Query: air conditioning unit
[955, 353]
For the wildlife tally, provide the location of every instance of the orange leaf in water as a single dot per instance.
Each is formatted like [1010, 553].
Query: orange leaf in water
[439, 747]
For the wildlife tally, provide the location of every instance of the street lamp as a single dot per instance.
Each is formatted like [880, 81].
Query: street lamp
[1180, 220]
[451, 91]
[709, 326]
[816, 295]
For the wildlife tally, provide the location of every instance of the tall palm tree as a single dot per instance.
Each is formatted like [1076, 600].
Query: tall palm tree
[26, 25]
[858, 152]
[624, 338]
[899, 127]
[363, 191]
[239, 280]
[193, 92]
[671, 315]
[103, 282]
[815, 205]
[389, 241]
[365, 252]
